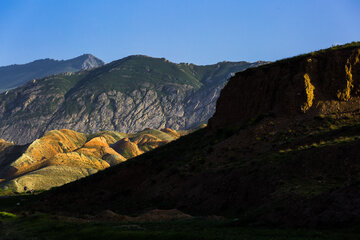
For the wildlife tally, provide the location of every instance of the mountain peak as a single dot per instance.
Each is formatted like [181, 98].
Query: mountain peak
[15, 75]
[88, 61]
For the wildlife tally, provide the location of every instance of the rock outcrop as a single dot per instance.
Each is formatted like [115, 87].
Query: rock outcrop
[319, 83]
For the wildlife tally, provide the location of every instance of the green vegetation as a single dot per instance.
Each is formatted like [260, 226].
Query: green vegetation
[7, 215]
[324, 143]
[308, 187]
[315, 53]
[132, 72]
[348, 45]
[6, 192]
[157, 133]
[49, 227]
[110, 136]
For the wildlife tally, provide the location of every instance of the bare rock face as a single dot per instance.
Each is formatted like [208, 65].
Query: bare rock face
[89, 61]
[128, 95]
[320, 83]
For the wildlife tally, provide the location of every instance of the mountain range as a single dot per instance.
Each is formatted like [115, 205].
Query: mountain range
[281, 149]
[128, 95]
[16, 75]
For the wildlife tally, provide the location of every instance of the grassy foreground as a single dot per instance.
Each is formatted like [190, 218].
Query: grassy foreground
[42, 226]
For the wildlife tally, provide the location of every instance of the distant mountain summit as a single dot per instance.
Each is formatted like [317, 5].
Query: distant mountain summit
[16, 75]
[86, 62]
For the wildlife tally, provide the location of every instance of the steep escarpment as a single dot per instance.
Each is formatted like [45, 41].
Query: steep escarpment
[127, 95]
[319, 83]
[298, 165]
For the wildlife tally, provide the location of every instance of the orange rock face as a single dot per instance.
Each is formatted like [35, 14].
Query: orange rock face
[320, 83]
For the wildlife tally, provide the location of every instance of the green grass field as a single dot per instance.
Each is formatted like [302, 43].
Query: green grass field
[41, 226]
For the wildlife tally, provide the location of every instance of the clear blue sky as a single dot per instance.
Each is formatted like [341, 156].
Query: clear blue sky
[197, 31]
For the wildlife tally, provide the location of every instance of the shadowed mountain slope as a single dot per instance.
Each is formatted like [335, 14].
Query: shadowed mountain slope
[16, 75]
[128, 95]
[4, 144]
[288, 153]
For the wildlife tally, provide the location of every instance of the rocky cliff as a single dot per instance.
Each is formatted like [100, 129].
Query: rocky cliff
[16, 75]
[322, 82]
[127, 95]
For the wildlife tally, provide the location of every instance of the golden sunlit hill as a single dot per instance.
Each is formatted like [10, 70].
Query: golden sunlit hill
[63, 156]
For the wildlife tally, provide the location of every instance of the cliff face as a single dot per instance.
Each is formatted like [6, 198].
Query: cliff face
[128, 95]
[319, 83]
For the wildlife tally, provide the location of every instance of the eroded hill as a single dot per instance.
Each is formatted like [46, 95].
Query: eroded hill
[62, 156]
[282, 148]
